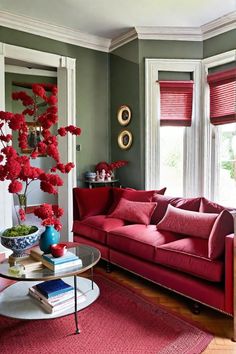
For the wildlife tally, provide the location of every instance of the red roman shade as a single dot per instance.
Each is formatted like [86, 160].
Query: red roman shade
[222, 97]
[176, 103]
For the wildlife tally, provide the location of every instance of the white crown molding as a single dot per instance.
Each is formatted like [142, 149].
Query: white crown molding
[59, 33]
[209, 30]
[123, 39]
[78, 38]
[170, 33]
[219, 26]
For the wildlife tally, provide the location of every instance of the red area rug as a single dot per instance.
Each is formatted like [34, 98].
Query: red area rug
[120, 321]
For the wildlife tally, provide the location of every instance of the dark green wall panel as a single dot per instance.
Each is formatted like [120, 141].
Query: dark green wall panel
[92, 92]
[170, 49]
[124, 89]
[219, 44]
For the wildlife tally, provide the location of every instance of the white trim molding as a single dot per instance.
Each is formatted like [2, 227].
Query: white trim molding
[221, 25]
[211, 29]
[66, 81]
[170, 33]
[67, 98]
[192, 173]
[59, 33]
[14, 69]
[123, 39]
[5, 197]
[78, 38]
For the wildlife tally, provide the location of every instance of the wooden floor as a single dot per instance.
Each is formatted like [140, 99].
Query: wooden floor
[220, 325]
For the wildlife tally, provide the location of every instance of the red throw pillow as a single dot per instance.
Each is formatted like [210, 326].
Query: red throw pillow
[187, 222]
[93, 201]
[224, 225]
[163, 201]
[133, 195]
[207, 206]
[135, 212]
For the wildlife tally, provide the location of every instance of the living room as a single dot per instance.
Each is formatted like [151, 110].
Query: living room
[105, 59]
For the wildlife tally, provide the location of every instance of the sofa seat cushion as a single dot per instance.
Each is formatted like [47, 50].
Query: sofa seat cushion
[138, 240]
[190, 256]
[96, 227]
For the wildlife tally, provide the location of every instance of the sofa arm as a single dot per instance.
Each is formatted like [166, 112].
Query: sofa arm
[229, 273]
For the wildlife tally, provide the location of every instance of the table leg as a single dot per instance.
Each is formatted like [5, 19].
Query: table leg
[77, 330]
[92, 260]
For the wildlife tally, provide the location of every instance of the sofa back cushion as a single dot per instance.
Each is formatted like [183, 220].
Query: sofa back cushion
[163, 202]
[93, 201]
[187, 222]
[134, 212]
[207, 206]
[224, 225]
[133, 195]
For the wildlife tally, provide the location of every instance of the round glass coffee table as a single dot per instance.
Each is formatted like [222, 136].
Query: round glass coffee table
[16, 303]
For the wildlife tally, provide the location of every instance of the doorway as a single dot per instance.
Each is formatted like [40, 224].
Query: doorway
[64, 69]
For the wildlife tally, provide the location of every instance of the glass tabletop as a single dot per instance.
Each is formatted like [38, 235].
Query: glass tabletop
[89, 256]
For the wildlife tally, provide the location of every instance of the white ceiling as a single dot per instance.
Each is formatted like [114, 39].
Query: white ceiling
[110, 18]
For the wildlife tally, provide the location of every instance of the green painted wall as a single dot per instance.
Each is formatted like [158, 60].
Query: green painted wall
[92, 93]
[124, 89]
[105, 82]
[219, 44]
[127, 68]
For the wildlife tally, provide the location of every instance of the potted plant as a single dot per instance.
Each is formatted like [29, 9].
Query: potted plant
[16, 167]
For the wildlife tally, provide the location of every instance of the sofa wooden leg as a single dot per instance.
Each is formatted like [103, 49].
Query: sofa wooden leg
[196, 308]
[108, 267]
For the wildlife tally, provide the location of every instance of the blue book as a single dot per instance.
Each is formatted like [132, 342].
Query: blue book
[68, 257]
[54, 287]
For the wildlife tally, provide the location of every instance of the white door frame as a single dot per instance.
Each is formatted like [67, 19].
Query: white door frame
[66, 107]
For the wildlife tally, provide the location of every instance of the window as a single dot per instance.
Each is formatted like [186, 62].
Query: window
[176, 113]
[173, 137]
[222, 113]
[172, 159]
[197, 159]
[226, 167]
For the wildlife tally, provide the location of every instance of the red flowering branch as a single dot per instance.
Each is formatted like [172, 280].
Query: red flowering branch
[110, 167]
[17, 167]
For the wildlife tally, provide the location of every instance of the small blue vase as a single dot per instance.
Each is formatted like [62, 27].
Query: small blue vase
[49, 237]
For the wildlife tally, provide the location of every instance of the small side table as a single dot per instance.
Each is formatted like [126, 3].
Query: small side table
[93, 184]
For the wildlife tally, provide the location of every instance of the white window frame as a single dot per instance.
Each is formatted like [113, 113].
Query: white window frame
[210, 132]
[66, 69]
[192, 183]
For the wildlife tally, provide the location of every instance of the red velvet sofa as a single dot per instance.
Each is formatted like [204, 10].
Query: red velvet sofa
[183, 244]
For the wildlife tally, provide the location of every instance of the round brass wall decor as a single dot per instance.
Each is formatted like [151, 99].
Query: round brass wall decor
[124, 115]
[125, 139]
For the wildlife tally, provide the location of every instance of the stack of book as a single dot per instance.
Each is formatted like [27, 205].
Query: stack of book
[28, 263]
[55, 295]
[69, 260]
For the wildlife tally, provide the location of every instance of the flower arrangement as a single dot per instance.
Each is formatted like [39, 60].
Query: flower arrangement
[110, 168]
[16, 167]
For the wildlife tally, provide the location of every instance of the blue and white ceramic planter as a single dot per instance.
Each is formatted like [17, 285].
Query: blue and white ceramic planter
[19, 244]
